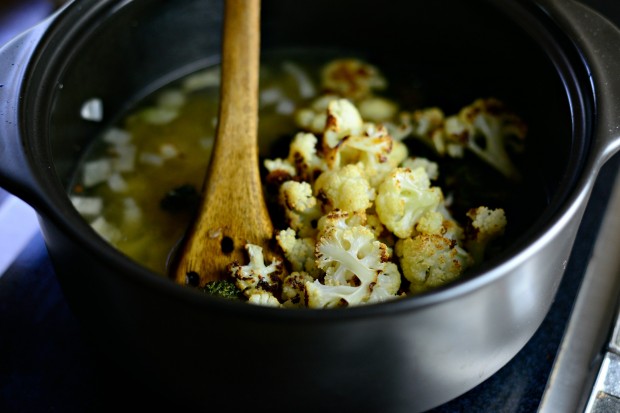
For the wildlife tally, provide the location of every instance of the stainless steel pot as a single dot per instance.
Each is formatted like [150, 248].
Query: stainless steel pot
[554, 60]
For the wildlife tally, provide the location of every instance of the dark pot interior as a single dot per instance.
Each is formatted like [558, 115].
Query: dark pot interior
[121, 51]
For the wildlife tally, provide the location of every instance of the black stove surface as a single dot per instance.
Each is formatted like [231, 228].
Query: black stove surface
[46, 366]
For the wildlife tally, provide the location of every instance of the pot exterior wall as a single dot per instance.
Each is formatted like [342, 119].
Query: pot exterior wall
[400, 361]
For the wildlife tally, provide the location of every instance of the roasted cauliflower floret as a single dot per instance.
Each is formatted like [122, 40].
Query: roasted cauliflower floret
[431, 223]
[488, 128]
[377, 109]
[483, 226]
[301, 209]
[294, 289]
[338, 119]
[351, 78]
[343, 119]
[341, 219]
[314, 117]
[302, 161]
[403, 197]
[427, 126]
[303, 155]
[299, 252]
[430, 261]
[354, 262]
[431, 168]
[378, 153]
[346, 189]
[256, 277]
[440, 222]
[279, 170]
[366, 149]
[387, 286]
[264, 298]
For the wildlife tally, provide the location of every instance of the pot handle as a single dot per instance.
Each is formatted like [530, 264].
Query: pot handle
[15, 157]
[598, 40]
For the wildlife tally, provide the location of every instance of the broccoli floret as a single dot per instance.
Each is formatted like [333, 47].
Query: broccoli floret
[224, 289]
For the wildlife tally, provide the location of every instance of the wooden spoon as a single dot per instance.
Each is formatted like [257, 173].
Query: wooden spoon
[233, 211]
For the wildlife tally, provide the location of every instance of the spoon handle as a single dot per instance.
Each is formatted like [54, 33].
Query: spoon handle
[233, 210]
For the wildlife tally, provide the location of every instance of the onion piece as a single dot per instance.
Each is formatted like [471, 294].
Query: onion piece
[87, 205]
[96, 172]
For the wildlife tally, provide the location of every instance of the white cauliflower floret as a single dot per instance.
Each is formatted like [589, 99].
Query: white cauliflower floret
[294, 289]
[256, 277]
[333, 118]
[343, 119]
[341, 219]
[378, 153]
[440, 222]
[431, 168]
[352, 78]
[484, 225]
[430, 261]
[264, 298]
[403, 197]
[430, 223]
[300, 207]
[344, 219]
[377, 109]
[353, 261]
[348, 255]
[353, 149]
[279, 170]
[299, 252]
[302, 161]
[346, 189]
[427, 126]
[313, 118]
[387, 286]
[486, 127]
[303, 155]
[374, 224]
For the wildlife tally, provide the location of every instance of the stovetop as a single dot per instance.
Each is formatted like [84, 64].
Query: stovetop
[45, 366]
